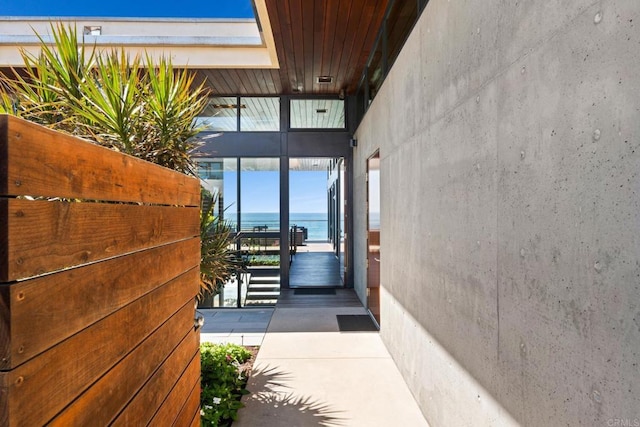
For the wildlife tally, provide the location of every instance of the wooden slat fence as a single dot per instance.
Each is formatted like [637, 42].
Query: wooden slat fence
[99, 264]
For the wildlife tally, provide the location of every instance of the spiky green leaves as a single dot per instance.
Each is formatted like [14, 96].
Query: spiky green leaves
[143, 109]
[218, 257]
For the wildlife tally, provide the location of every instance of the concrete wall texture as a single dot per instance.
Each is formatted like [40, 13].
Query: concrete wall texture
[509, 136]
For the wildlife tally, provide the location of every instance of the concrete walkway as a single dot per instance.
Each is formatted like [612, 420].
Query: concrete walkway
[308, 373]
[243, 326]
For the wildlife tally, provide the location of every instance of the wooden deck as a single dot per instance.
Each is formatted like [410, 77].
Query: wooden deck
[315, 265]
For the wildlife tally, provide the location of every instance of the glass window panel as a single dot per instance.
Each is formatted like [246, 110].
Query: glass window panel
[259, 114]
[402, 17]
[317, 114]
[260, 195]
[375, 71]
[260, 224]
[220, 115]
[220, 177]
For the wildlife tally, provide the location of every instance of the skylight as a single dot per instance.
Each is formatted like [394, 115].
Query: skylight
[238, 9]
[225, 34]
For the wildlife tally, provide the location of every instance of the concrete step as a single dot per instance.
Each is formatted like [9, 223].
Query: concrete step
[264, 287]
[264, 271]
[262, 295]
[261, 303]
[264, 283]
[265, 280]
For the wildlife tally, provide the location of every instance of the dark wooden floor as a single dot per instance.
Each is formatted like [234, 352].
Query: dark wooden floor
[315, 269]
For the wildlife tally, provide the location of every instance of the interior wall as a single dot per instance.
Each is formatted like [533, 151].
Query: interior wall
[510, 244]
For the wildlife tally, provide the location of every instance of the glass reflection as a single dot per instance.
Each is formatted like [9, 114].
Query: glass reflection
[220, 115]
[259, 114]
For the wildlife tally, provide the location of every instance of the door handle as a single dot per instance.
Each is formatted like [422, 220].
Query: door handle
[377, 259]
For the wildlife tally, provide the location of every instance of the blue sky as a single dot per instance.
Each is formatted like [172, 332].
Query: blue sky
[260, 191]
[308, 192]
[129, 8]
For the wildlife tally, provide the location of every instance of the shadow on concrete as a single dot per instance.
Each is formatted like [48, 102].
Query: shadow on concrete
[272, 402]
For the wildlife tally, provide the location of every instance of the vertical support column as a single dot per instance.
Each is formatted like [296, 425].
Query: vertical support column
[284, 193]
[238, 204]
[238, 195]
[352, 123]
[284, 219]
[348, 222]
[339, 208]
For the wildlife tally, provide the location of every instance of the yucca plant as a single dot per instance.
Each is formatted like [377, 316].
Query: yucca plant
[170, 111]
[143, 108]
[112, 102]
[8, 105]
[218, 257]
[51, 81]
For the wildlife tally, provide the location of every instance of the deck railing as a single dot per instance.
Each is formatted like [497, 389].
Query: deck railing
[99, 256]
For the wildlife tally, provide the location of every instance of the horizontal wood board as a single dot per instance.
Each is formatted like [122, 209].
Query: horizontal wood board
[47, 236]
[58, 376]
[176, 399]
[190, 408]
[36, 161]
[66, 302]
[112, 393]
[99, 255]
[148, 400]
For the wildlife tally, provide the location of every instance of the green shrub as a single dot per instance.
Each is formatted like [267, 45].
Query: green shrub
[222, 382]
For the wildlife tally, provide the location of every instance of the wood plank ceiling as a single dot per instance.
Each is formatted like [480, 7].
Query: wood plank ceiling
[313, 38]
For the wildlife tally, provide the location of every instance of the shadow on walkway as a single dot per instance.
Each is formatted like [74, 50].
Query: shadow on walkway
[309, 372]
[272, 399]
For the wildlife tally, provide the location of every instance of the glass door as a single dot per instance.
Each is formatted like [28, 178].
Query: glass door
[315, 222]
[246, 195]
[259, 229]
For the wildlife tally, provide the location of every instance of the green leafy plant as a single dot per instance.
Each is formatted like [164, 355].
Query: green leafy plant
[142, 108]
[51, 82]
[222, 382]
[7, 104]
[263, 260]
[146, 109]
[172, 105]
[219, 259]
[111, 105]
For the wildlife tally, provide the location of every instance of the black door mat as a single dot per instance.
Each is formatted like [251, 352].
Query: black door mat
[314, 291]
[355, 323]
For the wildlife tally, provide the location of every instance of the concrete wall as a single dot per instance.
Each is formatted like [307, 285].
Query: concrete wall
[509, 135]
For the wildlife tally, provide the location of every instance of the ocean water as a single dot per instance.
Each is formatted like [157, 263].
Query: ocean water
[316, 223]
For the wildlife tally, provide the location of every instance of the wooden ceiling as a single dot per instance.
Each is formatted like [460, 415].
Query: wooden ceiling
[313, 38]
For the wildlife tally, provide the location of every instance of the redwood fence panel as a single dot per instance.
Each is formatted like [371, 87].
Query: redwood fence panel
[99, 265]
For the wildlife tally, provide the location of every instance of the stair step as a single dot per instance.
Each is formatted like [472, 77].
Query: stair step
[263, 287]
[264, 284]
[261, 303]
[258, 283]
[264, 271]
[265, 279]
[262, 294]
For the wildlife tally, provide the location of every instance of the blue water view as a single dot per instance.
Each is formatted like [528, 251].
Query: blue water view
[316, 223]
